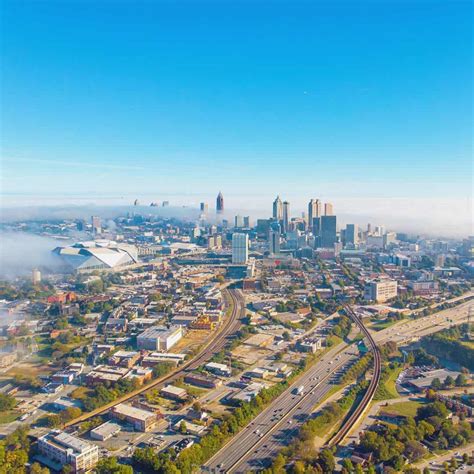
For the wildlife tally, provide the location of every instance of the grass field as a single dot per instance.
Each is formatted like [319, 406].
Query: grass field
[381, 324]
[388, 389]
[407, 408]
[8, 416]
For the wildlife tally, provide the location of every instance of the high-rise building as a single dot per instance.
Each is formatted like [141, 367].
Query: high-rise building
[96, 225]
[36, 276]
[220, 203]
[352, 235]
[165, 204]
[328, 231]
[247, 222]
[314, 210]
[238, 221]
[328, 210]
[286, 216]
[203, 207]
[380, 290]
[277, 209]
[274, 238]
[240, 248]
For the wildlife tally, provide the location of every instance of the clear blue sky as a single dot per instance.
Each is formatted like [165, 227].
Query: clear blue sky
[352, 99]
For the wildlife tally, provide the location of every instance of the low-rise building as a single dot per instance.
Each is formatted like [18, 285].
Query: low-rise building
[65, 449]
[105, 431]
[218, 369]
[159, 338]
[174, 393]
[142, 420]
[201, 380]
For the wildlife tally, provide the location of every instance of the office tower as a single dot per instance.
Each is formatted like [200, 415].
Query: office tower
[96, 227]
[263, 226]
[379, 230]
[238, 221]
[220, 203]
[328, 231]
[380, 290]
[274, 238]
[286, 216]
[316, 229]
[36, 276]
[369, 229]
[277, 209]
[240, 248]
[328, 210]
[165, 204]
[247, 222]
[352, 235]
[314, 210]
[203, 207]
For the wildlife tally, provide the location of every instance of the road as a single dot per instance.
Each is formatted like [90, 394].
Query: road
[261, 440]
[249, 450]
[229, 326]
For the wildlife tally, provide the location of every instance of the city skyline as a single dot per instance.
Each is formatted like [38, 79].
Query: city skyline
[341, 100]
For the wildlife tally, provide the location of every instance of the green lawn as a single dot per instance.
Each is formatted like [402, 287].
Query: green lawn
[402, 408]
[8, 416]
[381, 324]
[388, 388]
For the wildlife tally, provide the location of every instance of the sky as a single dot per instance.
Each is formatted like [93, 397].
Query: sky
[363, 103]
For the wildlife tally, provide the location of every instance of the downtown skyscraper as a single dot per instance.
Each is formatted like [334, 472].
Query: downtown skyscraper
[315, 209]
[277, 209]
[220, 203]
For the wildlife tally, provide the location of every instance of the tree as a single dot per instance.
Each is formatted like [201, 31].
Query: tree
[286, 336]
[347, 465]
[436, 384]
[278, 465]
[448, 381]
[435, 409]
[182, 427]
[461, 380]
[326, 461]
[36, 468]
[7, 402]
[112, 466]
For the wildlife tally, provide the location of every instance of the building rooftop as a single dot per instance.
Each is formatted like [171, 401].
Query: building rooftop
[132, 412]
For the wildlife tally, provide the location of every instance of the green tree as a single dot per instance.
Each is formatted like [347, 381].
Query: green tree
[436, 384]
[112, 466]
[7, 402]
[448, 381]
[461, 380]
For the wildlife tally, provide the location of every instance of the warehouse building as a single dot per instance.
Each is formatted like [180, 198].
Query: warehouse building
[142, 420]
[159, 338]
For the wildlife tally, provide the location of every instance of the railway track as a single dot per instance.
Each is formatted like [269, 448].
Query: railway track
[229, 327]
[370, 392]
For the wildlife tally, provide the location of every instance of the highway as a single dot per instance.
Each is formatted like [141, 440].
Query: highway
[229, 326]
[256, 444]
[252, 450]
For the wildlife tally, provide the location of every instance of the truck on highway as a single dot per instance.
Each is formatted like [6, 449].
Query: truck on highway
[299, 390]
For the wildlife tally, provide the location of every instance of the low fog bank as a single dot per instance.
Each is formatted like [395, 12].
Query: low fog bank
[440, 217]
[21, 252]
[16, 214]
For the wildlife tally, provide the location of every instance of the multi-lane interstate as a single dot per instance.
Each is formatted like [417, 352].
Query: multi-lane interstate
[258, 443]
